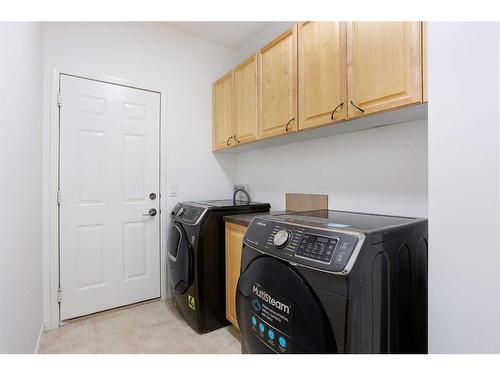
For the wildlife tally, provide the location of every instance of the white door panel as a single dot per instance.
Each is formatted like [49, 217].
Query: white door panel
[109, 164]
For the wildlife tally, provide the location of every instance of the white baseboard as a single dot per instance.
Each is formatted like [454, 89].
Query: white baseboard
[42, 329]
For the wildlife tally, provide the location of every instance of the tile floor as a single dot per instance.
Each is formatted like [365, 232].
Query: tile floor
[155, 327]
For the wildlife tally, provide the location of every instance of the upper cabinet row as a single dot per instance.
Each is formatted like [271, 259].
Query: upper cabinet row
[320, 73]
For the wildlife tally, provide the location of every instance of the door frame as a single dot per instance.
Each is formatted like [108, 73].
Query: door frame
[50, 212]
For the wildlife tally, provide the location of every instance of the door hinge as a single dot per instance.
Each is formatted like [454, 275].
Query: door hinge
[59, 197]
[59, 294]
[59, 98]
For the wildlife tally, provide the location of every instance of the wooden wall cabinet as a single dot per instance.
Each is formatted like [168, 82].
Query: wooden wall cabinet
[234, 245]
[222, 97]
[322, 73]
[245, 101]
[278, 85]
[384, 68]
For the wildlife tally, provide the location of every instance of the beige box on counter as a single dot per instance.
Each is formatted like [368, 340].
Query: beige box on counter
[300, 202]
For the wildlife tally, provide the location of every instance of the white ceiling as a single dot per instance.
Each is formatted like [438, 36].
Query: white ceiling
[230, 34]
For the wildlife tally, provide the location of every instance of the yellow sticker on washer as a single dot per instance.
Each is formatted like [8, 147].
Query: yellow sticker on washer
[191, 303]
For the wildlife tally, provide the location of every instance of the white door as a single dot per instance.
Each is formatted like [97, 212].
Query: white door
[109, 166]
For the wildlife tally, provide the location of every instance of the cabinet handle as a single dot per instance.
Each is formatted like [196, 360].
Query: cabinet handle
[236, 139]
[359, 109]
[288, 123]
[336, 108]
[227, 142]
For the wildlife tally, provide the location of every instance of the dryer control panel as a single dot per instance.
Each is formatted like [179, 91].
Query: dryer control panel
[317, 248]
[327, 250]
[187, 214]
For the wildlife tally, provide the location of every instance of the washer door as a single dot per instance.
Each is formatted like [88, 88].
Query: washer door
[180, 259]
[279, 312]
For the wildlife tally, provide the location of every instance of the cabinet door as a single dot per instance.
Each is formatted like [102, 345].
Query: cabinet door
[245, 101]
[322, 73]
[384, 66]
[234, 244]
[278, 85]
[223, 112]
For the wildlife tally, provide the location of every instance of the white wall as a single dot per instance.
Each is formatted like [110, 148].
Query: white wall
[464, 251]
[20, 186]
[156, 55]
[381, 170]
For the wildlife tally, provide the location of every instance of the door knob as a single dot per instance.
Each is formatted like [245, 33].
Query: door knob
[151, 212]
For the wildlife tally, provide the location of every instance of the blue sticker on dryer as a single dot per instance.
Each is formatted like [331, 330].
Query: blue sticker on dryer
[337, 225]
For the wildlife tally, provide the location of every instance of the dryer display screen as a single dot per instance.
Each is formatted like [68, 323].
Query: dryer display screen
[317, 248]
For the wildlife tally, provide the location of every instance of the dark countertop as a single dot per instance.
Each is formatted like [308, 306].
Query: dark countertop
[243, 219]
